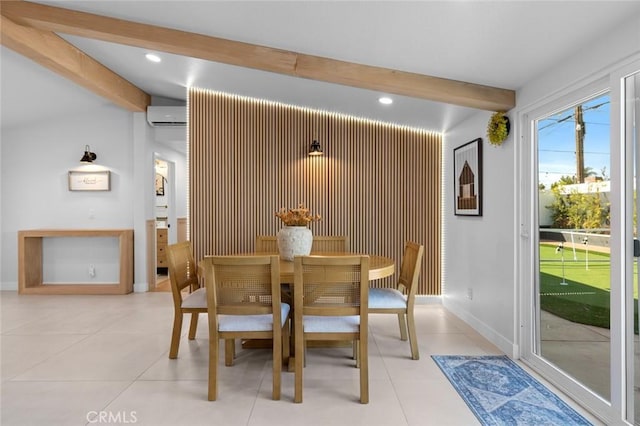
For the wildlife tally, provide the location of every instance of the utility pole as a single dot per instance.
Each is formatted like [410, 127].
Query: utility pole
[580, 131]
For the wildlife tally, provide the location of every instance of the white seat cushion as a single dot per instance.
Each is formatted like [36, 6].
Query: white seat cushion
[322, 324]
[386, 298]
[196, 300]
[251, 322]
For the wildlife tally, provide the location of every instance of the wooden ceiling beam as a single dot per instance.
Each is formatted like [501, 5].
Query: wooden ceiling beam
[49, 18]
[55, 53]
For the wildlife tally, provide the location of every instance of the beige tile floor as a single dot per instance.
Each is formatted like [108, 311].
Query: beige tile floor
[67, 359]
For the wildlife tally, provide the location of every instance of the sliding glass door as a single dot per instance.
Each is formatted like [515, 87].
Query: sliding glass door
[581, 165]
[574, 286]
[630, 136]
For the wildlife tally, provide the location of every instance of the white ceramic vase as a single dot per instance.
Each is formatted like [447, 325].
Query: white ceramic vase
[294, 241]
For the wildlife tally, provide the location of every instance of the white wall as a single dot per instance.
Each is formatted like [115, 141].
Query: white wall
[144, 195]
[35, 162]
[181, 189]
[588, 63]
[480, 252]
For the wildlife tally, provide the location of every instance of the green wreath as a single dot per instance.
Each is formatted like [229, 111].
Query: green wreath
[498, 128]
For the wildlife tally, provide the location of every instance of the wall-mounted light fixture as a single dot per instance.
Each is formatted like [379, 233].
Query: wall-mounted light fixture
[315, 149]
[88, 157]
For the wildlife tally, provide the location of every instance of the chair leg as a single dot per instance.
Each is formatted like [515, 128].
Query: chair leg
[413, 338]
[277, 365]
[403, 326]
[229, 351]
[356, 349]
[305, 355]
[175, 335]
[213, 366]
[286, 337]
[193, 326]
[299, 362]
[364, 371]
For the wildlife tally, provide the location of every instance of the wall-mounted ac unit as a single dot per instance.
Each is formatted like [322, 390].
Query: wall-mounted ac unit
[167, 116]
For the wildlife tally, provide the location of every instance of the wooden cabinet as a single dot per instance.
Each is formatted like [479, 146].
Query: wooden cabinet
[162, 240]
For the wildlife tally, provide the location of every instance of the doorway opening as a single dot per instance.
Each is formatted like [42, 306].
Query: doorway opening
[164, 219]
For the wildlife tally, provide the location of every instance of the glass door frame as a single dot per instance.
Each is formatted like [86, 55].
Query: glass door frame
[528, 257]
[628, 162]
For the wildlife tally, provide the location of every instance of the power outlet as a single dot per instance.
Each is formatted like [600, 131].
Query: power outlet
[92, 271]
[470, 293]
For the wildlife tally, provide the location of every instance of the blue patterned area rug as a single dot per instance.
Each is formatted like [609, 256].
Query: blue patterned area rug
[499, 392]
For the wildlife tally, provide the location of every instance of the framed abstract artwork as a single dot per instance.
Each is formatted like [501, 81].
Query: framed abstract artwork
[467, 169]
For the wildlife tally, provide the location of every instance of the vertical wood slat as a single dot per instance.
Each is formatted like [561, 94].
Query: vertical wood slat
[379, 184]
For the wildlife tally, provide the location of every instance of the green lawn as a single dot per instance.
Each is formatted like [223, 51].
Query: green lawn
[586, 297]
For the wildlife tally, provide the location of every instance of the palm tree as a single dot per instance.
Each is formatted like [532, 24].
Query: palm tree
[588, 171]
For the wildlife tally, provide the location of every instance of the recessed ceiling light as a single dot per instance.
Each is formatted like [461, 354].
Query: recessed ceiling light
[152, 57]
[385, 100]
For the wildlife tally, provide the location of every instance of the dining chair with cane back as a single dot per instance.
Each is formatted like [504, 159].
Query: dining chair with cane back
[243, 300]
[321, 243]
[269, 244]
[330, 303]
[328, 244]
[266, 244]
[183, 274]
[401, 299]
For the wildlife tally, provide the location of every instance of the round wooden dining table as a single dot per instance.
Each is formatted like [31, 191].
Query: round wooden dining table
[379, 266]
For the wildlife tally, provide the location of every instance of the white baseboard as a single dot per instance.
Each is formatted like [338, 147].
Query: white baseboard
[505, 345]
[140, 287]
[9, 286]
[428, 300]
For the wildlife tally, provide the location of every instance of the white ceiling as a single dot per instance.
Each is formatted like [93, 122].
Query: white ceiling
[502, 44]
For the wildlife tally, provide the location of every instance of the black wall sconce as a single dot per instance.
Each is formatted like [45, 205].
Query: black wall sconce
[88, 157]
[315, 149]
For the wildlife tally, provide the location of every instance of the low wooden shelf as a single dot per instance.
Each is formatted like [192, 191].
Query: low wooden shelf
[30, 276]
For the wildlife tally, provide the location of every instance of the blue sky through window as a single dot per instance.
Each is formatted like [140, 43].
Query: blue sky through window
[557, 142]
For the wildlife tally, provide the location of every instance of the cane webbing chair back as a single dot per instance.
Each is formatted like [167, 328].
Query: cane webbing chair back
[266, 244]
[401, 300]
[243, 298]
[326, 244]
[330, 244]
[330, 303]
[183, 274]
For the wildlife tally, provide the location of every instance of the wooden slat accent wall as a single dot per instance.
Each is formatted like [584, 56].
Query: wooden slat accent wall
[379, 184]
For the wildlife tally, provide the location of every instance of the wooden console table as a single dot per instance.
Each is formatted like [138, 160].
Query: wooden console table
[30, 276]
